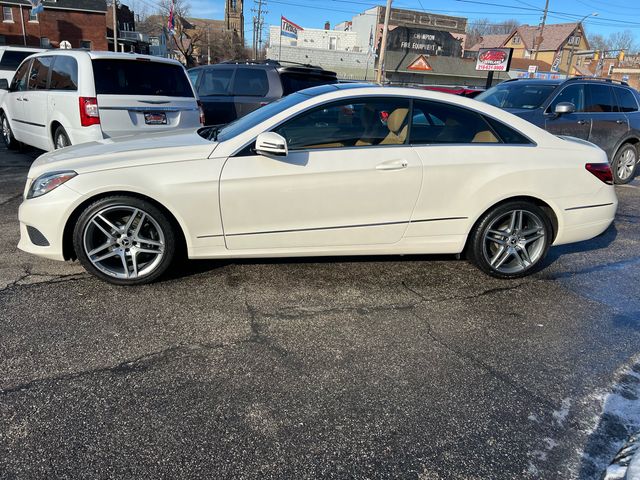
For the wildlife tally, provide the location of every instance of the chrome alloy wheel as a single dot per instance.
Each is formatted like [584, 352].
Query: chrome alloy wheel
[62, 141]
[6, 130]
[124, 242]
[626, 164]
[514, 241]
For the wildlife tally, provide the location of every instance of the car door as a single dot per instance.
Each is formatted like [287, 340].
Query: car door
[14, 103]
[577, 124]
[214, 91]
[34, 102]
[609, 125]
[349, 179]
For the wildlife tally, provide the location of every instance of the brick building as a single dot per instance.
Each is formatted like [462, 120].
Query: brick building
[80, 22]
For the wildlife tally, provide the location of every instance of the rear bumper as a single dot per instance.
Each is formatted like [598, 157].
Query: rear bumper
[585, 223]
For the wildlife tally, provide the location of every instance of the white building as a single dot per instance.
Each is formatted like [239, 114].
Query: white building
[315, 38]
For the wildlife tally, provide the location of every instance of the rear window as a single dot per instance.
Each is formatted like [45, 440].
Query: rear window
[215, 81]
[292, 82]
[626, 100]
[251, 82]
[517, 95]
[136, 77]
[12, 58]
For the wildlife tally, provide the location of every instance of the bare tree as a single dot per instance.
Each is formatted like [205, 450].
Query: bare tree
[598, 42]
[185, 37]
[483, 26]
[624, 40]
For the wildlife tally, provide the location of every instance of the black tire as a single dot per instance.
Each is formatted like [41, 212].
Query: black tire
[624, 164]
[7, 134]
[125, 246]
[60, 138]
[489, 241]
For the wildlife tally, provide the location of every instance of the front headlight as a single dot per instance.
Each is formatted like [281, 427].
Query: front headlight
[49, 181]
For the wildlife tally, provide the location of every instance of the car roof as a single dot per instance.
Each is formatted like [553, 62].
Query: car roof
[79, 53]
[532, 81]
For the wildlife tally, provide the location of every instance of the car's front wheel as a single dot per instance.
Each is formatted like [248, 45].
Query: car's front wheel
[7, 134]
[124, 240]
[511, 240]
[624, 164]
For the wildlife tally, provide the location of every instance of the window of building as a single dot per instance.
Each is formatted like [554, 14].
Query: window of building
[349, 123]
[438, 123]
[85, 44]
[3, 40]
[333, 43]
[516, 39]
[64, 73]
[7, 14]
[250, 82]
[33, 17]
[626, 100]
[574, 40]
[39, 76]
[44, 42]
[600, 99]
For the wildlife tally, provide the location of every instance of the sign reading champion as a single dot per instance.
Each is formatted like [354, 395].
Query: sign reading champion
[288, 28]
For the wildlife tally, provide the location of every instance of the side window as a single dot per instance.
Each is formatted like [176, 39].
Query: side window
[573, 94]
[19, 82]
[600, 99]
[215, 81]
[352, 123]
[444, 123]
[626, 100]
[38, 78]
[64, 73]
[250, 82]
[193, 77]
[507, 134]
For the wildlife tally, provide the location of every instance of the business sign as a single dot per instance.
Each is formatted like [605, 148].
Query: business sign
[424, 41]
[556, 62]
[289, 29]
[533, 69]
[494, 59]
[420, 64]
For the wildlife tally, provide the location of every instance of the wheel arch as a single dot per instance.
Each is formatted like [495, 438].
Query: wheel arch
[631, 139]
[67, 234]
[553, 218]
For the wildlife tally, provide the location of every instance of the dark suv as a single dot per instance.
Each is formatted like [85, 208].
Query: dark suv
[231, 90]
[598, 110]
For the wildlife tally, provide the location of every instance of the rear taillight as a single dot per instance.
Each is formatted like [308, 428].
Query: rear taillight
[89, 114]
[602, 171]
[201, 113]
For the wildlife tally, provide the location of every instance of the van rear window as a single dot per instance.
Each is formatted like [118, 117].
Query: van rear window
[136, 77]
[12, 58]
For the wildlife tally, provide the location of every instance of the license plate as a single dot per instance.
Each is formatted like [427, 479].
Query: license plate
[155, 118]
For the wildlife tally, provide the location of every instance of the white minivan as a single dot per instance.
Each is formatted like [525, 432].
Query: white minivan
[66, 97]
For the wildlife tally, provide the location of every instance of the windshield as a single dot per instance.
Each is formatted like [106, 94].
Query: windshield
[517, 95]
[254, 118]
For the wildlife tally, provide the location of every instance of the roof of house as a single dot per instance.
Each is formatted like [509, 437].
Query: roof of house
[489, 41]
[83, 5]
[553, 37]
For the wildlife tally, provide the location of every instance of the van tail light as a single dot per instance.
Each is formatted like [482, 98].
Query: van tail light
[201, 113]
[602, 171]
[89, 113]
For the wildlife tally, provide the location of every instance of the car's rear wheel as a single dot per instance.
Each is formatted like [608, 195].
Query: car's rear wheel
[7, 134]
[124, 240]
[60, 138]
[624, 164]
[511, 240]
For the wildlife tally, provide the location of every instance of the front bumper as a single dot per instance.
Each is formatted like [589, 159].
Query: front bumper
[48, 214]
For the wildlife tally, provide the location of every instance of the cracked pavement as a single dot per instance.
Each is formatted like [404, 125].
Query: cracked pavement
[389, 367]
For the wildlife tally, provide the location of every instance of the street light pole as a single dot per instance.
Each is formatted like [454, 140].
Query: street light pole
[115, 26]
[383, 42]
[573, 44]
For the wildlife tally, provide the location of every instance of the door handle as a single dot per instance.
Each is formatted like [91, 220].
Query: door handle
[393, 165]
[582, 122]
[25, 99]
[19, 99]
[620, 122]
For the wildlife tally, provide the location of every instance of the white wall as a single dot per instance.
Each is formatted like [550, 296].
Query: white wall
[314, 38]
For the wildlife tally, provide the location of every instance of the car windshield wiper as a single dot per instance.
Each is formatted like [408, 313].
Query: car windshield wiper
[213, 134]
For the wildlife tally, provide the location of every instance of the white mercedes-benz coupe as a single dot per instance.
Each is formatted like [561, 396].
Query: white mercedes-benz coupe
[333, 170]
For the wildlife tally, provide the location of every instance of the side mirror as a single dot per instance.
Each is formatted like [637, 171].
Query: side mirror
[564, 107]
[4, 84]
[270, 143]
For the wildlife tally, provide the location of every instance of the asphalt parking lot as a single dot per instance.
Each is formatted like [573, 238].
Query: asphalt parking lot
[394, 367]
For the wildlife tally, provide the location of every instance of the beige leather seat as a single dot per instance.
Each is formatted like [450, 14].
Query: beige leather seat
[397, 125]
[485, 136]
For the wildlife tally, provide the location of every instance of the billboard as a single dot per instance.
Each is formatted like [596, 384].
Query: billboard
[424, 41]
[494, 59]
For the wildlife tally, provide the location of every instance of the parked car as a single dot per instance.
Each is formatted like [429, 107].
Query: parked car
[231, 90]
[11, 58]
[331, 170]
[601, 111]
[65, 97]
[469, 92]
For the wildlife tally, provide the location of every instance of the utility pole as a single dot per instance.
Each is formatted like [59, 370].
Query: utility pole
[383, 43]
[115, 26]
[573, 45]
[540, 37]
[258, 22]
[208, 46]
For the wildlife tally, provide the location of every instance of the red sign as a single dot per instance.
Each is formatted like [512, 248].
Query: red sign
[494, 59]
[420, 64]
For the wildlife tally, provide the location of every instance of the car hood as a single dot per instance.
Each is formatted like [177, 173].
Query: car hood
[122, 152]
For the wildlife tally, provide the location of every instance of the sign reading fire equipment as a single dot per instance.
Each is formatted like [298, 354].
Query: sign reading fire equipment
[494, 59]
